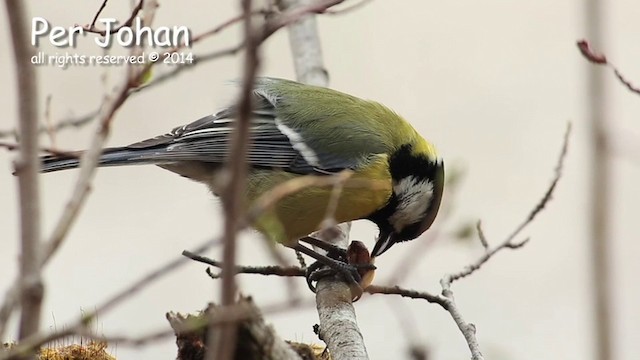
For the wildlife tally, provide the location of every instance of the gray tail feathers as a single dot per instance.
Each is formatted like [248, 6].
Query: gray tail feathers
[110, 157]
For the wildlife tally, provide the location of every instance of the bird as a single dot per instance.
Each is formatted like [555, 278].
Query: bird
[298, 130]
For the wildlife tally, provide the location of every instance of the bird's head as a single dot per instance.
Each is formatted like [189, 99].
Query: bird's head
[417, 185]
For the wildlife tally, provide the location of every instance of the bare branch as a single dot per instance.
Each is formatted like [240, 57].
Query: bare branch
[31, 287]
[91, 28]
[508, 243]
[13, 147]
[95, 18]
[258, 270]
[222, 341]
[305, 47]
[87, 169]
[348, 9]
[338, 324]
[469, 330]
[412, 294]
[106, 113]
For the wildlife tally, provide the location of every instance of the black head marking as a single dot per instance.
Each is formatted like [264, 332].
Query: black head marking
[417, 190]
[404, 163]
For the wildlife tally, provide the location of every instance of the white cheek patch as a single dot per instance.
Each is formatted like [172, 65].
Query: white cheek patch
[414, 196]
[298, 143]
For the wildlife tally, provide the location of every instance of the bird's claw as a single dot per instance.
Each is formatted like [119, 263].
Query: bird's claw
[349, 272]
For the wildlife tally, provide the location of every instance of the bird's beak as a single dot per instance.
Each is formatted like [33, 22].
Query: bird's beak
[385, 242]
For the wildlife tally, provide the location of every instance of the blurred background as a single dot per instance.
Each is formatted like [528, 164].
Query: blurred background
[492, 84]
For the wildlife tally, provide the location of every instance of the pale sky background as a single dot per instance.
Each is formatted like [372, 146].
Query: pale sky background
[492, 83]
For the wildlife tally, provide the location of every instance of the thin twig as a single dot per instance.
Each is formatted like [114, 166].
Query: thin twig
[468, 329]
[95, 18]
[508, 243]
[412, 294]
[348, 9]
[274, 270]
[53, 151]
[91, 28]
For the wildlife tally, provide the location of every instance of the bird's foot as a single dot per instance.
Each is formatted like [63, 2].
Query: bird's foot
[318, 270]
[338, 262]
[349, 272]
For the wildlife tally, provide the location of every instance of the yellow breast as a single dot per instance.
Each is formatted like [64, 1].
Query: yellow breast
[301, 213]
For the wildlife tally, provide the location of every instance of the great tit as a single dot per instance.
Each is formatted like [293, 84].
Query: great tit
[296, 130]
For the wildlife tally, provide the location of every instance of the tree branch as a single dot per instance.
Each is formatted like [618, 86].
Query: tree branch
[258, 270]
[93, 29]
[305, 46]
[222, 341]
[88, 164]
[509, 243]
[31, 287]
[468, 329]
[338, 324]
